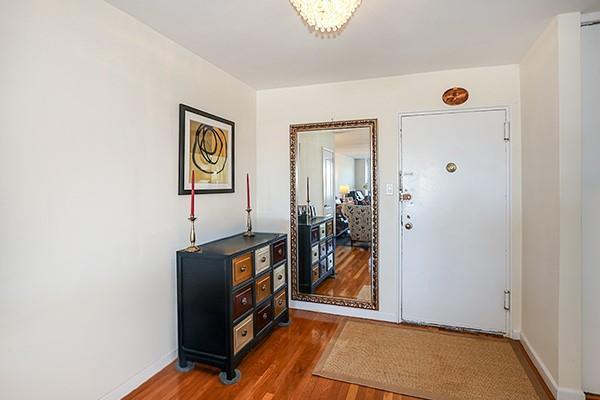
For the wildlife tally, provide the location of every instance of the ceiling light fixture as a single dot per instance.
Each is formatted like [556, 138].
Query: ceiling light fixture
[326, 15]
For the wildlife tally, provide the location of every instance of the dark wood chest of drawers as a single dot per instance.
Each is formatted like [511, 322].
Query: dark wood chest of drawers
[316, 252]
[229, 297]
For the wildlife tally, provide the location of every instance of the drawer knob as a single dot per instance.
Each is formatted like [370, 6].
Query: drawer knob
[280, 302]
[263, 259]
[243, 268]
[265, 316]
[280, 251]
[244, 333]
[263, 287]
[244, 301]
[279, 277]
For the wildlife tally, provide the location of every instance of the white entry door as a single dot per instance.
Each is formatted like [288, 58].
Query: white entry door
[328, 178]
[454, 194]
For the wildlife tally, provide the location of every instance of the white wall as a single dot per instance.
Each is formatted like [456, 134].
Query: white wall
[310, 164]
[361, 166]
[383, 99]
[89, 211]
[550, 90]
[590, 55]
[344, 172]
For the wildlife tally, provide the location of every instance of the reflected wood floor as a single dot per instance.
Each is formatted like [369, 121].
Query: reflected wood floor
[352, 273]
[279, 368]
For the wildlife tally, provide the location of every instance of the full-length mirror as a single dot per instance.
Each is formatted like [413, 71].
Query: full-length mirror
[334, 212]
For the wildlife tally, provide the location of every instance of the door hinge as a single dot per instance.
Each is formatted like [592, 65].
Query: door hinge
[506, 131]
[507, 300]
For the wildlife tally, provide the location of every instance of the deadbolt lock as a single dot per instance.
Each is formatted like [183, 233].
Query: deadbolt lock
[406, 196]
[408, 225]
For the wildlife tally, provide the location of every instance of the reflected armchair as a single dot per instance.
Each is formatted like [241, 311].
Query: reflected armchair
[359, 222]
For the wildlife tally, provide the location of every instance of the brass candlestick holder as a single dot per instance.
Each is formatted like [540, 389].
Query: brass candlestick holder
[248, 232]
[192, 248]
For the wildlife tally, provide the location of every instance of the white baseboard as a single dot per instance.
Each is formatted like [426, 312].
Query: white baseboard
[516, 334]
[570, 394]
[344, 311]
[558, 392]
[134, 382]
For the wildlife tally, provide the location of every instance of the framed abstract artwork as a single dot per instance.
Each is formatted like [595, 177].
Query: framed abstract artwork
[206, 146]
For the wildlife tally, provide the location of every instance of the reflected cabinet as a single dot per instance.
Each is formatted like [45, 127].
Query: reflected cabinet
[316, 255]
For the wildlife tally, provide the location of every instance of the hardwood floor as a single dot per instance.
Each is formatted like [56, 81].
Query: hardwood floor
[352, 273]
[593, 397]
[279, 368]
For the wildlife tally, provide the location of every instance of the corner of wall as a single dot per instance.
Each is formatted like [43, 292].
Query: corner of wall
[135, 381]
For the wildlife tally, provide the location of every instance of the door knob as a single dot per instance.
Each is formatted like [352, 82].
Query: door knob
[408, 225]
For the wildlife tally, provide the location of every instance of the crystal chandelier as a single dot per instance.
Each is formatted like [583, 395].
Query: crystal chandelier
[326, 15]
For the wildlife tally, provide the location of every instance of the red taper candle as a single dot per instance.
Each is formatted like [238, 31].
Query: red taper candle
[193, 194]
[247, 191]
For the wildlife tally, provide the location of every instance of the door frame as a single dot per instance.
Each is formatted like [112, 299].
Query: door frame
[508, 208]
[323, 150]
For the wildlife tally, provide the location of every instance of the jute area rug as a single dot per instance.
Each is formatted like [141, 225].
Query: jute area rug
[429, 364]
[365, 293]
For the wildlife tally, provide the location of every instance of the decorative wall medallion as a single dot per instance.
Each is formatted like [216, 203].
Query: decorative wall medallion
[455, 96]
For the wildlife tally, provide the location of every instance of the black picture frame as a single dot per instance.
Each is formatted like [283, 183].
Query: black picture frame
[182, 190]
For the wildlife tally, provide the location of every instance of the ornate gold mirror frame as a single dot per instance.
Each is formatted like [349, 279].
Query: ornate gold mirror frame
[373, 304]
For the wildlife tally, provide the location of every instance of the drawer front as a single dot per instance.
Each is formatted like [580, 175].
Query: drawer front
[322, 231]
[280, 303]
[315, 273]
[242, 302]
[323, 249]
[315, 253]
[263, 288]
[243, 333]
[330, 245]
[323, 266]
[279, 277]
[279, 251]
[242, 268]
[314, 234]
[329, 228]
[263, 316]
[262, 259]
[330, 261]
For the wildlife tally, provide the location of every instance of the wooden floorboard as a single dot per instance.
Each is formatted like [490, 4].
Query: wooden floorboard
[279, 368]
[352, 272]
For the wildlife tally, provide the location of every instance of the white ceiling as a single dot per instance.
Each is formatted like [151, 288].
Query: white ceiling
[265, 43]
[355, 143]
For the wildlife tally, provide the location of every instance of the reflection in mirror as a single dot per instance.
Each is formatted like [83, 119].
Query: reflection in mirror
[334, 229]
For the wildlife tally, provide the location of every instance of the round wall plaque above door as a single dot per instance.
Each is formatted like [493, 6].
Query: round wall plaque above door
[455, 96]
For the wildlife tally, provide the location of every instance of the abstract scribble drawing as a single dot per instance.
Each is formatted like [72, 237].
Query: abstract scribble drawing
[210, 146]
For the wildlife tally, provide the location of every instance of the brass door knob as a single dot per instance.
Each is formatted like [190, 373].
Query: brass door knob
[408, 225]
